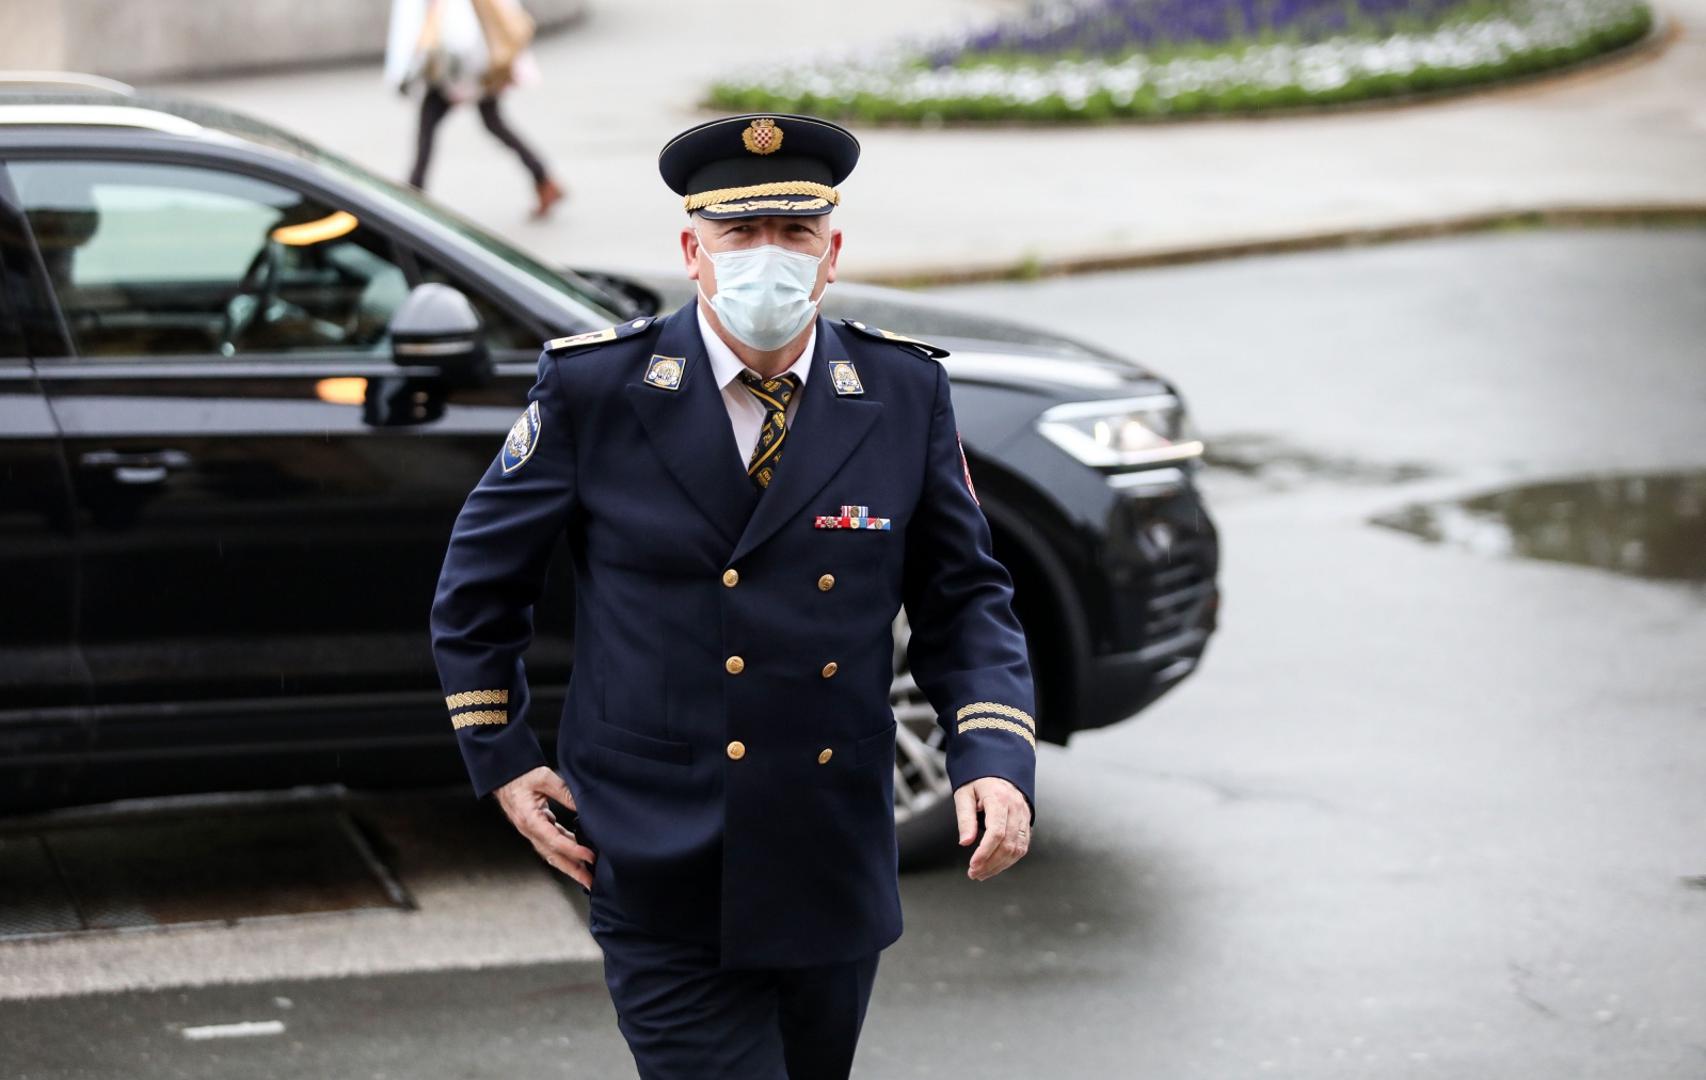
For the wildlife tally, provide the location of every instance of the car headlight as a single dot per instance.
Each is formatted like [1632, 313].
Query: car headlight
[1122, 433]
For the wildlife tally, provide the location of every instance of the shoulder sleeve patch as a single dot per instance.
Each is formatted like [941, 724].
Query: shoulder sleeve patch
[599, 337]
[933, 351]
[522, 438]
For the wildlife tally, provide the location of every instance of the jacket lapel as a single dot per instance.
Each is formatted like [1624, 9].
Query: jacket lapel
[689, 429]
[825, 431]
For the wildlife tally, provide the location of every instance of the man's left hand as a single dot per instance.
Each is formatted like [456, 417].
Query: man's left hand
[1006, 824]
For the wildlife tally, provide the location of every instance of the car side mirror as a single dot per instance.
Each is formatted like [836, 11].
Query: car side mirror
[435, 326]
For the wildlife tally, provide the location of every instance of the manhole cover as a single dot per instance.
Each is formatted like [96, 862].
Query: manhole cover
[218, 866]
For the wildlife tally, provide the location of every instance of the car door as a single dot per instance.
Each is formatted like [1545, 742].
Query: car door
[42, 683]
[262, 495]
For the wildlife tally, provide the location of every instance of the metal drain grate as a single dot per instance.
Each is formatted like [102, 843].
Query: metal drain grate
[215, 866]
[32, 901]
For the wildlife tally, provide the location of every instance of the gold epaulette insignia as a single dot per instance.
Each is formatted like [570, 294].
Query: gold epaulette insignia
[933, 351]
[598, 337]
[559, 344]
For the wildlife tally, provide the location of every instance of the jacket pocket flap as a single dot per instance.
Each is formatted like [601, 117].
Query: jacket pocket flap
[871, 747]
[632, 742]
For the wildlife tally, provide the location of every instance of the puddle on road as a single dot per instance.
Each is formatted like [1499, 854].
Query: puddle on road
[1651, 526]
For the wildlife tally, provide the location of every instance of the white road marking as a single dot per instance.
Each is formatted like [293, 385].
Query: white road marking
[244, 1030]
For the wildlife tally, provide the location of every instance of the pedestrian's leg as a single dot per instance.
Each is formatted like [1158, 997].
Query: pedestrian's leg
[548, 190]
[684, 1017]
[494, 122]
[822, 1010]
[433, 107]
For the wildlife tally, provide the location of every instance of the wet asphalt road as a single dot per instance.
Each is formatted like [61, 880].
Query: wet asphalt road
[1425, 811]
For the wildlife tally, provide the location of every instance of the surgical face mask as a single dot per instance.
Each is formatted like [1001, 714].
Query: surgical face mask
[764, 294]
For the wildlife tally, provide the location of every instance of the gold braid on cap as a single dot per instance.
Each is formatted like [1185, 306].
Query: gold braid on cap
[754, 191]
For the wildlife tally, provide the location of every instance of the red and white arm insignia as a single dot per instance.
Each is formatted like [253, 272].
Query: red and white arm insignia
[965, 468]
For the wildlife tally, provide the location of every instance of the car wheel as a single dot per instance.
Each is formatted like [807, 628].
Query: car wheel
[924, 820]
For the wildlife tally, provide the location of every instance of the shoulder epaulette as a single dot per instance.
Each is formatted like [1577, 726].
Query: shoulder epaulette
[599, 337]
[933, 351]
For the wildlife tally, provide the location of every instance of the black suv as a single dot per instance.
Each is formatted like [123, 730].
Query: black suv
[234, 434]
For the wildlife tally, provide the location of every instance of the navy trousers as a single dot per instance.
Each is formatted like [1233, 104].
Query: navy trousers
[686, 1018]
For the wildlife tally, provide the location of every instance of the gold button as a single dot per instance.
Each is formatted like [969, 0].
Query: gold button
[737, 750]
[824, 756]
[734, 665]
[826, 582]
[731, 577]
[830, 669]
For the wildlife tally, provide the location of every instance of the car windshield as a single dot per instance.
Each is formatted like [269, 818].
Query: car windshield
[582, 290]
[600, 307]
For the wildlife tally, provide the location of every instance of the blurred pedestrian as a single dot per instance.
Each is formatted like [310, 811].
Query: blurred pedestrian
[465, 50]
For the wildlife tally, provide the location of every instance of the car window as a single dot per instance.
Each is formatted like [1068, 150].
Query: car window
[154, 259]
[597, 305]
[11, 322]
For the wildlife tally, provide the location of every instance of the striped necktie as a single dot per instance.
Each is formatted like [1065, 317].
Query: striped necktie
[773, 394]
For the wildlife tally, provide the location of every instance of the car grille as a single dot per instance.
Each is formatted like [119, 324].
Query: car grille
[1177, 592]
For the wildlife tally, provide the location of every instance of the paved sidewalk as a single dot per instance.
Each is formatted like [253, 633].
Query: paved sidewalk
[966, 201]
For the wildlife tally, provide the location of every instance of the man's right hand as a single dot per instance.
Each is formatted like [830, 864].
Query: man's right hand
[524, 803]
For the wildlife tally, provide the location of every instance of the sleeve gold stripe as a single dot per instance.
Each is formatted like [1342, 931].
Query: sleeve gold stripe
[999, 710]
[992, 724]
[477, 697]
[479, 716]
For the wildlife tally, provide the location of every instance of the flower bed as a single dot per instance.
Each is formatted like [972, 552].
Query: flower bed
[1100, 60]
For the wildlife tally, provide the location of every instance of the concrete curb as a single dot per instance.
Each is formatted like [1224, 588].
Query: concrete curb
[1611, 216]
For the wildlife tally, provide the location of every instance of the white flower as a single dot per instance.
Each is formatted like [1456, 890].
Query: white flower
[1320, 66]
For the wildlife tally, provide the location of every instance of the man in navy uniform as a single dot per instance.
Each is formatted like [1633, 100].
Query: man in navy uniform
[749, 494]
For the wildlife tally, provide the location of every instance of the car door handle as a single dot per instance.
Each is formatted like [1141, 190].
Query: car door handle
[141, 467]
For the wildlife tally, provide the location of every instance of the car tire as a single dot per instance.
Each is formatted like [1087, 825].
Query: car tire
[925, 825]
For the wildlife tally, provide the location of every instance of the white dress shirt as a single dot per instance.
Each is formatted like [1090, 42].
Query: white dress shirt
[746, 413]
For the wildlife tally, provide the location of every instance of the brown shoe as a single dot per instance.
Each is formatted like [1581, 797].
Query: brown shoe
[549, 195]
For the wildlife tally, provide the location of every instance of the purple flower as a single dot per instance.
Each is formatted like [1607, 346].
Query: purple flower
[1104, 28]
